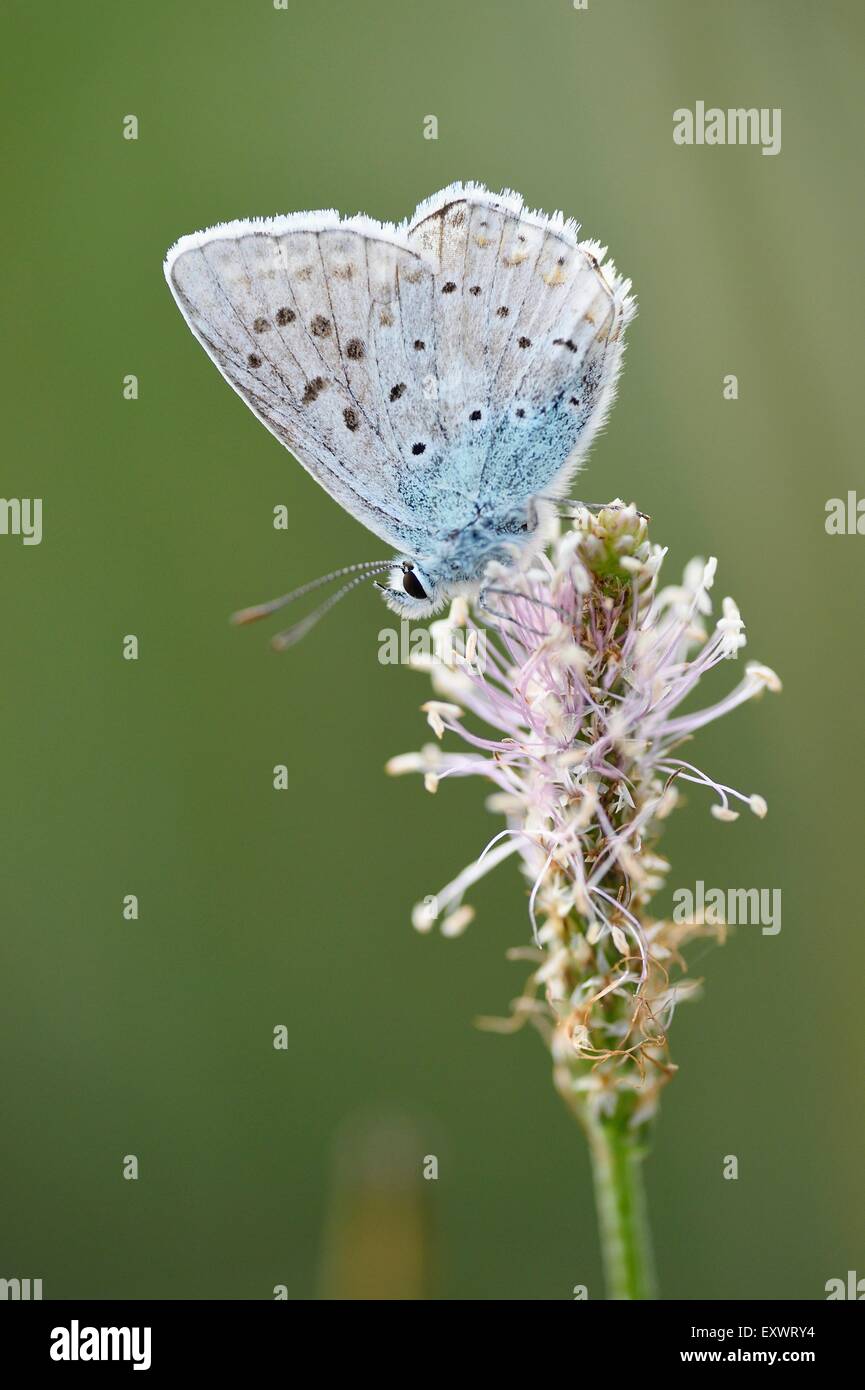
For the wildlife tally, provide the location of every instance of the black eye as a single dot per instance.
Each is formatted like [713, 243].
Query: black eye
[412, 584]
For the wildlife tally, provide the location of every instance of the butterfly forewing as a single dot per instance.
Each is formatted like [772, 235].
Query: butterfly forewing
[292, 321]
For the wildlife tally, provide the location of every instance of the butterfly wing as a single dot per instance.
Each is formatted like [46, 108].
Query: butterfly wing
[313, 322]
[528, 334]
[418, 373]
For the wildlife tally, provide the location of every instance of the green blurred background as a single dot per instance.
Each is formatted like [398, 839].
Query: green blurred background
[258, 908]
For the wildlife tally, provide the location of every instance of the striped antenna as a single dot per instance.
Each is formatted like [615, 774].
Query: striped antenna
[264, 610]
[291, 635]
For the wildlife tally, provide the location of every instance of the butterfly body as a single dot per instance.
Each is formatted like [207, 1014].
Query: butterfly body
[457, 560]
[440, 379]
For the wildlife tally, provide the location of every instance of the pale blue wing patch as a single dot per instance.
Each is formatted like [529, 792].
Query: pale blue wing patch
[557, 380]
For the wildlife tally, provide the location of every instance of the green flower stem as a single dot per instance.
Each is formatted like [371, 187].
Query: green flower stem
[617, 1158]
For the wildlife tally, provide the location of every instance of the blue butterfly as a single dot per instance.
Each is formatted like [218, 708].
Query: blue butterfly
[441, 379]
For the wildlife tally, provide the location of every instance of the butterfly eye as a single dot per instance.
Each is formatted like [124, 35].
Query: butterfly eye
[412, 584]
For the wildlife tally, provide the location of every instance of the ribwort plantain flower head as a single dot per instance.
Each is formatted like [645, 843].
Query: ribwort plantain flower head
[575, 716]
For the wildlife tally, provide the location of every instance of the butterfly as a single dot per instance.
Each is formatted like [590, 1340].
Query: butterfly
[441, 379]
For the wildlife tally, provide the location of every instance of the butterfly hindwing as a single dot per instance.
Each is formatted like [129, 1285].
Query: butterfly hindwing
[531, 322]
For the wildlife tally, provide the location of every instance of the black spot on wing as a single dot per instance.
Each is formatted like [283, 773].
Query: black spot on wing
[313, 389]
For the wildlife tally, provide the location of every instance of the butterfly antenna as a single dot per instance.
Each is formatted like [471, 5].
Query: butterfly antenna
[264, 610]
[283, 640]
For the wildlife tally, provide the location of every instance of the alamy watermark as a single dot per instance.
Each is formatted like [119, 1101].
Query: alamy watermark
[440, 644]
[21, 516]
[845, 516]
[734, 907]
[735, 126]
[20, 1290]
[852, 1287]
[77, 1343]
